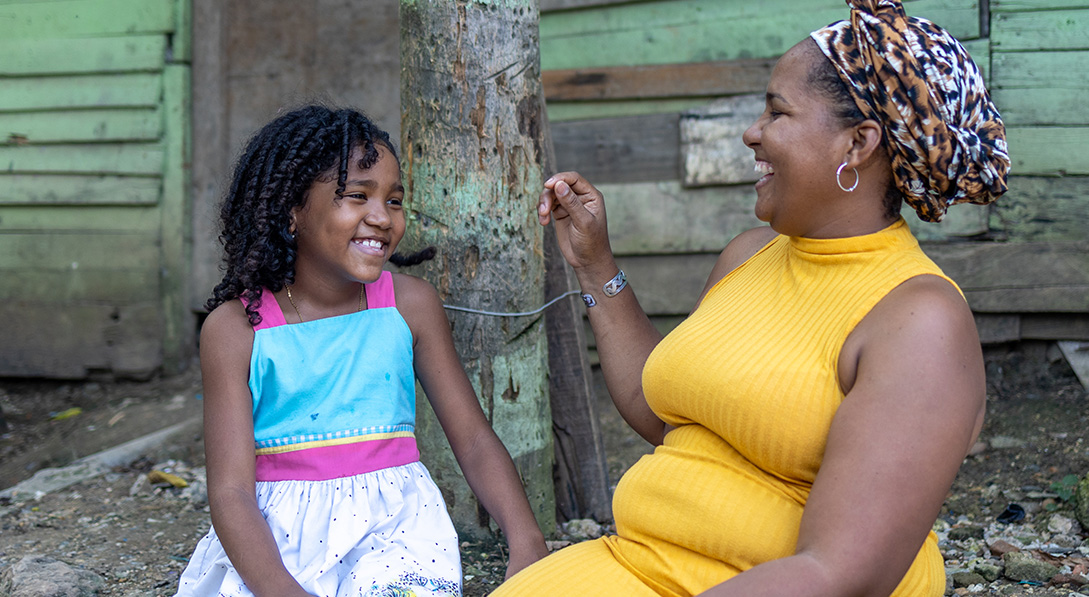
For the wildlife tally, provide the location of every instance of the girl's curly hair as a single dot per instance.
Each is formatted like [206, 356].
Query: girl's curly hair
[271, 178]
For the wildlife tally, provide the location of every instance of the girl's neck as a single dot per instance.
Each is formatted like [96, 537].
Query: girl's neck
[309, 301]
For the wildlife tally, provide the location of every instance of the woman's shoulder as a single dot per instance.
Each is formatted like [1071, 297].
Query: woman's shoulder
[739, 250]
[411, 289]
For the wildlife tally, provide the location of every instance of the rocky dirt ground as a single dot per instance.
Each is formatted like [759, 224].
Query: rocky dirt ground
[130, 537]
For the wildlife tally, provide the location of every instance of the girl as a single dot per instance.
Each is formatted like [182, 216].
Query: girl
[310, 354]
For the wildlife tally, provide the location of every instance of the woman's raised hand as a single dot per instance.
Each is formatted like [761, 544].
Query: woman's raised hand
[578, 210]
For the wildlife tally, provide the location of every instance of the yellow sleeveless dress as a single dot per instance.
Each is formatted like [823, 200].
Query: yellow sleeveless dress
[749, 381]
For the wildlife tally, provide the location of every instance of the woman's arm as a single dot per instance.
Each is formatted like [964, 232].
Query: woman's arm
[483, 459]
[914, 377]
[226, 342]
[623, 333]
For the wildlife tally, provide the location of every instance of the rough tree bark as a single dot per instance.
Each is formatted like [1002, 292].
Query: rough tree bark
[471, 156]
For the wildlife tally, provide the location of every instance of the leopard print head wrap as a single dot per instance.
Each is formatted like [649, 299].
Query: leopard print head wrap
[944, 135]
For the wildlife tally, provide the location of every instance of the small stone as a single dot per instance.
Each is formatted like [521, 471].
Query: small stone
[582, 528]
[989, 572]
[1005, 442]
[966, 532]
[1001, 548]
[1022, 566]
[41, 576]
[967, 579]
[1081, 502]
[1061, 524]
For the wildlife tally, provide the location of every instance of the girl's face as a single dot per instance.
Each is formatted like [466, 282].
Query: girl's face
[353, 236]
[798, 145]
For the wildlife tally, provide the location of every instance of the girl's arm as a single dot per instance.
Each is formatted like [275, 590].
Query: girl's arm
[484, 460]
[226, 343]
[914, 377]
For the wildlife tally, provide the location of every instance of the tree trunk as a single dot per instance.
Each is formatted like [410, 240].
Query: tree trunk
[471, 156]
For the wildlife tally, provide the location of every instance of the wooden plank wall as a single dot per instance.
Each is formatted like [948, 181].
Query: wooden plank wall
[632, 86]
[93, 203]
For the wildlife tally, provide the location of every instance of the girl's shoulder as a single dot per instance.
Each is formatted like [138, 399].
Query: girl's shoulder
[411, 290]
[229, 319]
[419, 303]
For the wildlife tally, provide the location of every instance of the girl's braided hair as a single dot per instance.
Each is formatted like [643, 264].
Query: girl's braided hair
[271, 178]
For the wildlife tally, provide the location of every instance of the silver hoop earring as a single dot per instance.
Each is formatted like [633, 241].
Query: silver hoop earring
[839, 171]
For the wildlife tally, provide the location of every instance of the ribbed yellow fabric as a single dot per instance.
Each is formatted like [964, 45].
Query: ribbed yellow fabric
[750, 382]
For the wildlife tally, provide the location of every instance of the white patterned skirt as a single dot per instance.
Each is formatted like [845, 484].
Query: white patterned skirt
[377, 534]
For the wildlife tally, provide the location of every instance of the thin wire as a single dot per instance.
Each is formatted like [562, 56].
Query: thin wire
[522, 314]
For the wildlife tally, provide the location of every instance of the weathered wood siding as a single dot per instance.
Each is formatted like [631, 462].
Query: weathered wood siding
[93, 187]
[649, 99]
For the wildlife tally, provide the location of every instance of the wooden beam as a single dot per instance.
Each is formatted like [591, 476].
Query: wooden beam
[42, 340]
[83, 126]
[712, 151]
[1042, 209]
[128, 90]
[1041, 30]
[667, 32]
[35, 189]
[1049, 150]
[659, 81]
[87, 55]
[551, 5]
[1036, 277]
[1024, 5]
[79, 18]
[90, 158]
[179, 325]
[630, 149]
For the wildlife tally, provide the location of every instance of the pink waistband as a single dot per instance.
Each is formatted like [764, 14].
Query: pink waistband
[333, 462]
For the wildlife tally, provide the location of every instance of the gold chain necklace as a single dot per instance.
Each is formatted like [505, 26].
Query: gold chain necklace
[291, 299]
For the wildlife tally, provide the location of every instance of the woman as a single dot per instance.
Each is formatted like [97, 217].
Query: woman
[813, 410]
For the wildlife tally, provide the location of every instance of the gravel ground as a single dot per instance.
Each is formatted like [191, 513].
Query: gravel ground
[136, 535]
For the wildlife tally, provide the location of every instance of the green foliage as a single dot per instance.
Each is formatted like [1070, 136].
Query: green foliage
[1065, 487]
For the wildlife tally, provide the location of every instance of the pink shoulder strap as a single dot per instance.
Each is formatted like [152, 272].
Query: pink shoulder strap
[270, 312]
[380, 292]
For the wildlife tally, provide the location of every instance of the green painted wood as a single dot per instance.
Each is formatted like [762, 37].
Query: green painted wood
[90, 55]
[1048, 150]
[80, 127]
[1042, 30]
[78, 339]
[109, 250]
[1013, 70]
[107, 286]
[83, 18]
[666, 32]
[1041, 106]
[134, 90]
[182, 41]
[632, 149]
[98, 219]
[131, 158]
[179, 327]
[553, 5]
[1042, 209]
[38, 189]
[567, 111]
[1023, 5]
[647, 218]
[960, 222]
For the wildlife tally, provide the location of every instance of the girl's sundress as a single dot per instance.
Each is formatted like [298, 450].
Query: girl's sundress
[339, 477]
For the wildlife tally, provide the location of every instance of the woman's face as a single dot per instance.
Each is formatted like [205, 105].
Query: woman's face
[798, 143]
